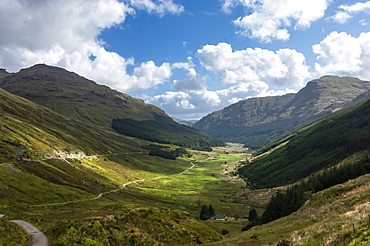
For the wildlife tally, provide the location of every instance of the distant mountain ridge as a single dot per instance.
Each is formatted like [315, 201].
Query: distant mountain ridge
[259, 121]
[184, 122]
[83, 100]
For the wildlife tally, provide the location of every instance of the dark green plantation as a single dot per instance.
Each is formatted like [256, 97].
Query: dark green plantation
[318, 146]
[165, 130]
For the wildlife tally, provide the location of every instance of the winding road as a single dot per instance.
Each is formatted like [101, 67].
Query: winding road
[37, 237]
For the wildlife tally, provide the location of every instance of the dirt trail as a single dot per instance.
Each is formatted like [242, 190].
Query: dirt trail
[107, 192]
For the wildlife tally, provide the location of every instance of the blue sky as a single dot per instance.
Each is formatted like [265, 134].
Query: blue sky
[190, 57]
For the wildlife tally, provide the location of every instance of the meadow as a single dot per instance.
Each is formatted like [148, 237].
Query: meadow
[164, 189]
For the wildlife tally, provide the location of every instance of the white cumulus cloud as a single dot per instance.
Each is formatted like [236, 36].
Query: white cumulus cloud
[268, 20]
[347, 12]
[286, 67]
[343, 54]
[195, 104]
[192, 82]
[173, 101]
[66, 33]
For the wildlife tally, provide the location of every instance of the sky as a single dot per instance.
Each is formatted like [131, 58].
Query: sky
[190, 57]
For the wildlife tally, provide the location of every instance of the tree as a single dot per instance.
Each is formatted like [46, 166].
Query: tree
[236, 217]
[211, 211]
[253, 220]
[252, 215]
[204, 213]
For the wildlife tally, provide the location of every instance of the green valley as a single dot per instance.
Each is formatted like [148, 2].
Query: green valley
[80, 182]
[109, 177]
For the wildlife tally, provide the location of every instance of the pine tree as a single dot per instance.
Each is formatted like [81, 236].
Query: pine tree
[252, 215]
[204, 213]
[211, 211]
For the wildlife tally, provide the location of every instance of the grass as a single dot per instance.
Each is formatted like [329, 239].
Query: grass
[334, 217]
[30, 134]
[187, 192]
[12, 234]
[171, 205]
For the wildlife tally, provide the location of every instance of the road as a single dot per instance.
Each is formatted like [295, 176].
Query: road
[37, 237]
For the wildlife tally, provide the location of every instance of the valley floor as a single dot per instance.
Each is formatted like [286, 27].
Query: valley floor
[186, 189]
[158, 201]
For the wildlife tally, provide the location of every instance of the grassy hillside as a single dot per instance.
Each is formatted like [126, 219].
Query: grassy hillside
[259, 121]
[26, 126]
[337, 216]
[60, 196]
[80, 99]
[312, 148]
[12, 234]
[142, 226]
[30, 135]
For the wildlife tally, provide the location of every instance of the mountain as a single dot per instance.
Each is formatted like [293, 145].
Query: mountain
[259, 121]
[81, 99]
[76, 97]
[28, 128]
[318, 146]
[32, 138]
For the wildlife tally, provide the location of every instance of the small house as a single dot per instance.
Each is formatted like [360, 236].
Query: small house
[220, 217]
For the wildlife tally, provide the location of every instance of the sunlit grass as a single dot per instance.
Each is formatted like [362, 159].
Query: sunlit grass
[81, 179]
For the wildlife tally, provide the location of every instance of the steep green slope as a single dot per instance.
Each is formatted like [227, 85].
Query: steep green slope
[78, 98]
[28, 126]
[312, 148]
[337, 216]
[258, 121]
[31, 134]
[31, 139]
